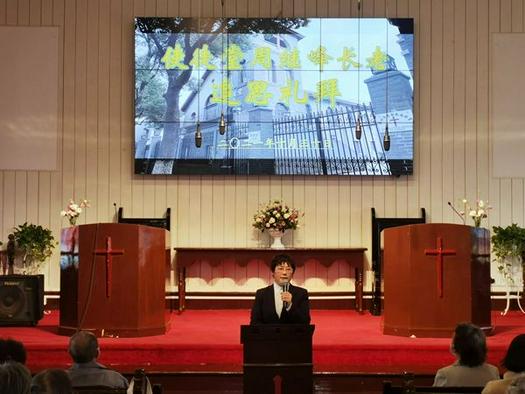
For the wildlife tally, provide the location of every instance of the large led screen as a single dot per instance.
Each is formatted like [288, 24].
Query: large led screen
[287, 96]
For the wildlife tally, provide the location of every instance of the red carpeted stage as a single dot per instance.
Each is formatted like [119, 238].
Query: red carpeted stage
[209, 340]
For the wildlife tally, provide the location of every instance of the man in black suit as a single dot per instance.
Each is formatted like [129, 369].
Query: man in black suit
[281, 302]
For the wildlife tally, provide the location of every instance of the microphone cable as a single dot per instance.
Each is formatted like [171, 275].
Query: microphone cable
[91, 280]
[456, 212]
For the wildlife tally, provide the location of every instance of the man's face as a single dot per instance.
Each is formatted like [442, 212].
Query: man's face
[282, 274]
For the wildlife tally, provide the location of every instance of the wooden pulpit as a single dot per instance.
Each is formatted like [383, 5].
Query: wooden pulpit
[112, 279]
[436, 276]
[277, 358]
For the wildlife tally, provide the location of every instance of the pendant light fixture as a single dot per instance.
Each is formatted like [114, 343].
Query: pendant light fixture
[198, 132]
[222, 124]
[358, 127]
[386, 137]
[358, 123]
[222, 121]
[198, 135]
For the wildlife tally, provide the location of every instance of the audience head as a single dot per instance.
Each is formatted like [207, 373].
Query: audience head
[83, 347]
[283, 269]
[514, 359]
[469, 345]
[517, 386]
[14, 378]
[51, 381]
[12, 350]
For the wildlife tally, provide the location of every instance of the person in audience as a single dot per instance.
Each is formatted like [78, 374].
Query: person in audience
[86, 371]
[517, 386]
[15, 378]
[470, 369]
[12, 350]
[281, 302]
[51, 381]
[514, 363]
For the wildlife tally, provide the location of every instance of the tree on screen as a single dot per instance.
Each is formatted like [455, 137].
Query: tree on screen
[159, 37]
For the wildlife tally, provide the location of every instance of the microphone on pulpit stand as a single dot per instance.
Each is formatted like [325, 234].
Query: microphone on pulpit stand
[286, 286]
[456, 212]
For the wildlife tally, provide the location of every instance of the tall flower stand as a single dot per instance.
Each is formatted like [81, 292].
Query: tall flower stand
[510, 296]
[514, 284]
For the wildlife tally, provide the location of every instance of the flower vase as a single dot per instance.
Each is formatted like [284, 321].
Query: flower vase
[277, 236]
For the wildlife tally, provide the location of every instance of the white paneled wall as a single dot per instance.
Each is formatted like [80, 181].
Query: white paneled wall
[452, 144]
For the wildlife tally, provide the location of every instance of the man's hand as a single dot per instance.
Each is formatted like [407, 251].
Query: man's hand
[286, 296]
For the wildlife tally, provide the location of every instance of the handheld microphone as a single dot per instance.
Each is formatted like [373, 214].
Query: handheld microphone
[456, 212]
[286, 287]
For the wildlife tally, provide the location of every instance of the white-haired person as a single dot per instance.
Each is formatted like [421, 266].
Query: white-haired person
[15, 378]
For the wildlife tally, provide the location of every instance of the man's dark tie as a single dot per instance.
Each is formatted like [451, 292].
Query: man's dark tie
[283, 313]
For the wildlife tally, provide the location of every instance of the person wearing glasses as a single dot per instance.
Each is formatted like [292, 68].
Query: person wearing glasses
[281, 302]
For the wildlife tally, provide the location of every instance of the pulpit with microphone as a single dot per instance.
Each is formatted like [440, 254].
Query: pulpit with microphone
[436, 275]
[112, 280]
[277, 358]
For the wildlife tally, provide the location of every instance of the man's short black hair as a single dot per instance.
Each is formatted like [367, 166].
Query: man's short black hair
[282, 259]
[83, 347]
[470, 345]
[12, 350]
[514, 359]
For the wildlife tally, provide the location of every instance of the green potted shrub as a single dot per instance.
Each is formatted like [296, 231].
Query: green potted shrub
[35, 244]
[508, 245]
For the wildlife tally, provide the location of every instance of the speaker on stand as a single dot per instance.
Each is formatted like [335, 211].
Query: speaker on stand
[21, 299]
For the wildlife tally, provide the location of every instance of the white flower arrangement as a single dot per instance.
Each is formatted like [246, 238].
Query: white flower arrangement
[73, 210]
[276, 216]
[477, 212]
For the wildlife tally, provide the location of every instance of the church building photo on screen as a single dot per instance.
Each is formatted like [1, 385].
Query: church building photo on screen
[282, 96]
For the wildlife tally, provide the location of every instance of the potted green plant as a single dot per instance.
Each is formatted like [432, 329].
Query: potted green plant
[508, 245]
[35, 244]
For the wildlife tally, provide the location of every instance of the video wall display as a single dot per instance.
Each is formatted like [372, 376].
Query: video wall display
[286, 96]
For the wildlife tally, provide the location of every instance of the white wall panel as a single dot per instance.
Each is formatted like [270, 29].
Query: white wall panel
[29, 97]
[452, 148]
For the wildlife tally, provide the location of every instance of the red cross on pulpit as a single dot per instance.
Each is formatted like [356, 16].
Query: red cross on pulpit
[109, 252]
[439, 253]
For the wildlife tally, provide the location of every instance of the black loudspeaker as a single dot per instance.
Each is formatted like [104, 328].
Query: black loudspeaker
[21, 299]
